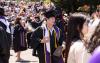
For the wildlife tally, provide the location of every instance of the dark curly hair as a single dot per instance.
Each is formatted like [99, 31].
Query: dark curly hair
[75, 26]
[95, 40]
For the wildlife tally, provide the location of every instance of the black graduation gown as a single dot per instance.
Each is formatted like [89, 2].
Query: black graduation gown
[19, 38]
[37, 36]
[34, 25]
[4, 44]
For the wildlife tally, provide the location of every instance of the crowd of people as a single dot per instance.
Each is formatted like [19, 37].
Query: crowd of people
[54, 35]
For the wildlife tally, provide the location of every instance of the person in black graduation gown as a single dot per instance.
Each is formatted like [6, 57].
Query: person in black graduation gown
[33, 24]
[5, 38]
[45, 39]
[19, 38]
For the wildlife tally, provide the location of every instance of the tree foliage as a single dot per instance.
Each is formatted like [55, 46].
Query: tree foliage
[72, 5]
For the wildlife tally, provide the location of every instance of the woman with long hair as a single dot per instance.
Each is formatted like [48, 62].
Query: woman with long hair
[76, 31]
[19, 40]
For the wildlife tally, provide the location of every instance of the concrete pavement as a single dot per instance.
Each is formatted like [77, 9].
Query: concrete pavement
[25, 55]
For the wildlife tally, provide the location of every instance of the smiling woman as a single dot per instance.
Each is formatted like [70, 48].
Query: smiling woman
[76, 32]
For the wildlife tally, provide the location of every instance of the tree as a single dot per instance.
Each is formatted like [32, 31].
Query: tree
[72, 5]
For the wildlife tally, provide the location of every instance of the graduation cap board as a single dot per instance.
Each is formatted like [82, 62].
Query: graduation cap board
[50, 13]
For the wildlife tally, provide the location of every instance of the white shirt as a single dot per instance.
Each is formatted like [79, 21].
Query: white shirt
[46, 34]
[78, 53]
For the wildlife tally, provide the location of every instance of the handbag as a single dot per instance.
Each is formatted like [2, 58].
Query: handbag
[58, 51]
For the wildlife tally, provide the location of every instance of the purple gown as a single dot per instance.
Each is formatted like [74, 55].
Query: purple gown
[95, 58]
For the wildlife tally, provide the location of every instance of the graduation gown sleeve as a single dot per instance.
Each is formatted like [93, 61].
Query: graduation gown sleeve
[4, 47]
[36, 37]
[3, 42]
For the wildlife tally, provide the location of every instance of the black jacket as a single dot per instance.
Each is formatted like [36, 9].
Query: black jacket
[4, 44]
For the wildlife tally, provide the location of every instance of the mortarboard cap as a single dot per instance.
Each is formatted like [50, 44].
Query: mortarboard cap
[50, 13]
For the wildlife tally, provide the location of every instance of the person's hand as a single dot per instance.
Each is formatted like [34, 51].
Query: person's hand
[45, 40]
[95, 15]
[63, 46]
